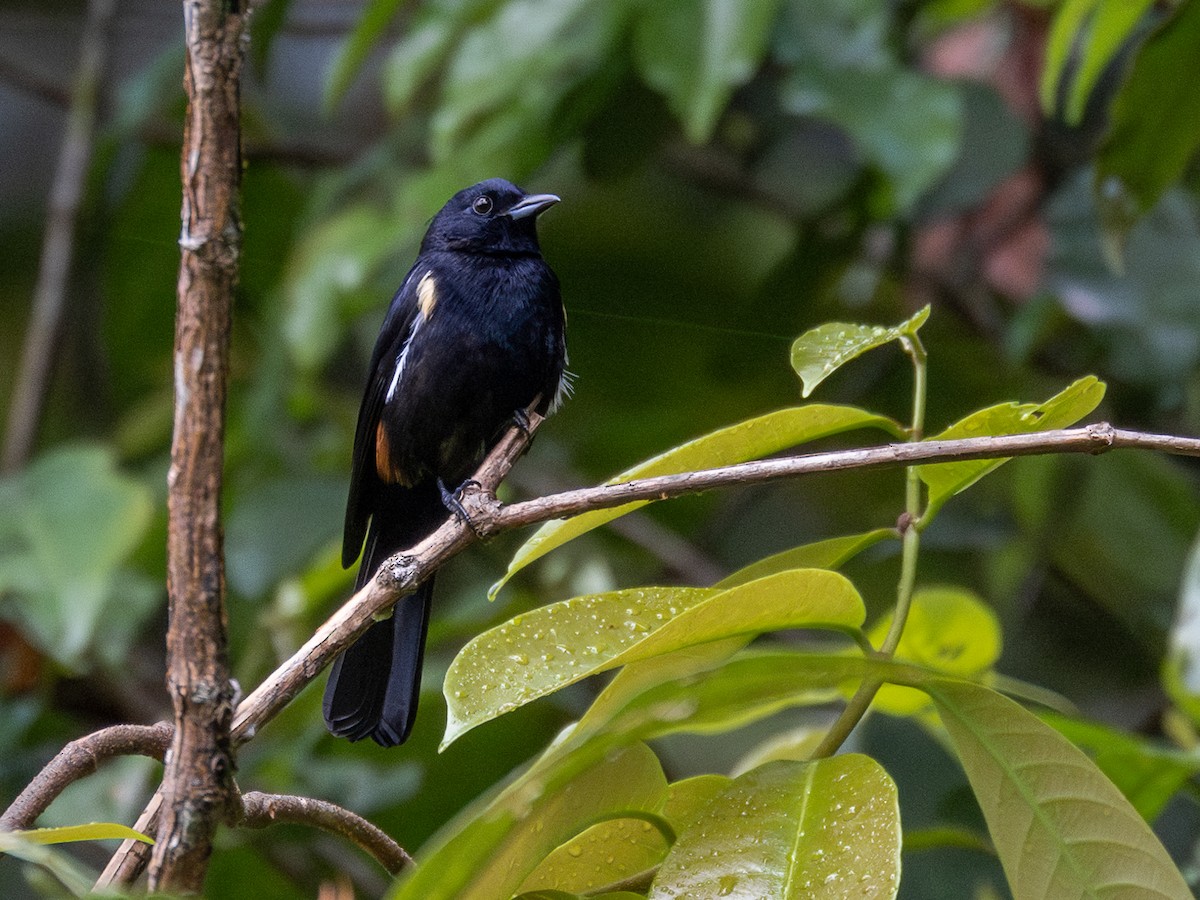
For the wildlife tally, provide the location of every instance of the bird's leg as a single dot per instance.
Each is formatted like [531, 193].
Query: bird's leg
[454, 505]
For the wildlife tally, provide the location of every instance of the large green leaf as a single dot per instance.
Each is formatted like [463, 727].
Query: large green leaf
[944, 480]
[1155, 119]
[746, 440]
[820, 352]
[493, 854]
[826, 829]
[695, 52]
[827, 554]
[1147, 772]
[907, 124]
[1060, 827]
[551, 647]
[71, 520]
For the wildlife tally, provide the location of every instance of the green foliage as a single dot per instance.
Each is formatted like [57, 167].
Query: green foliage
[72, 520]
[732, 173]
[787, 826]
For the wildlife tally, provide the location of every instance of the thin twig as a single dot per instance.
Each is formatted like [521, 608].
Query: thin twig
[260, 810]
[58, 244]
[79, 759]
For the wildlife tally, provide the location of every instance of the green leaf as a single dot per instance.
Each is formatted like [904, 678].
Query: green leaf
[686, 799]
[1147, 773]
[94, 831]
[907, 124]
[948, 630]
[827, 828]
[1064, 409]
[826, 554]
[494, 853]
[743, 441]
[606, 852]
[745, 689]
[695, 52]
[1155, 119]
[72, 519]
[1086, 39]
[373, 20]
[551, 647]
[1060, 827]
[819, 353]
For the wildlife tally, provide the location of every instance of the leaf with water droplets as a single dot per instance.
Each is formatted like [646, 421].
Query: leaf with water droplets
[1060, 827]
[826, 828]
[551, 647]
[1064, 409]
[608, 851]
[819, 353]
[751, 439]
[538, 811]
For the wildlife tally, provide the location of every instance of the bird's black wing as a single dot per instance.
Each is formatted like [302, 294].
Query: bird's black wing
[364, 479]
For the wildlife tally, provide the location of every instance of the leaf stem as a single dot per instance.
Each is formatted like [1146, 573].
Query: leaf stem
[910, 538]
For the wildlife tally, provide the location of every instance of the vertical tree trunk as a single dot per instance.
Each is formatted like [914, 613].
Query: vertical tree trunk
[198, 782]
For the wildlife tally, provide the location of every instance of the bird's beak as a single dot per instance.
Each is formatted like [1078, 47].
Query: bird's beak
[533, 205]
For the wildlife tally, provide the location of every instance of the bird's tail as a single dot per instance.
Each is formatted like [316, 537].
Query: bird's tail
[374, 686]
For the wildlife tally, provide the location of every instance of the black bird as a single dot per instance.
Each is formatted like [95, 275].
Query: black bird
[474, 334]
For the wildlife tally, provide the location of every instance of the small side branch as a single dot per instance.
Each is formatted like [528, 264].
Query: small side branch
[260, 810]
[79, 759]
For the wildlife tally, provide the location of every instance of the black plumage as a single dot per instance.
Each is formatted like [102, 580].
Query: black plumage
[475, 333]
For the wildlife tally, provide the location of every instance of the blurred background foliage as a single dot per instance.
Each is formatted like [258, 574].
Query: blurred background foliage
[733, 172]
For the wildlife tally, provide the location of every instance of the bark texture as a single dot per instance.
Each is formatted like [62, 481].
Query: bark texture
[198, 782]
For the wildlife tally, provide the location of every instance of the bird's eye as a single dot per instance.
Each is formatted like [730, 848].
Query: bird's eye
[482, 205]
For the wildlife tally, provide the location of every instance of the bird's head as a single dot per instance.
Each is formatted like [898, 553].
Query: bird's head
[494, 216]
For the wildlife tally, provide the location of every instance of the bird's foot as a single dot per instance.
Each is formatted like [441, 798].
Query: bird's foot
[521, 420]
[452, 503]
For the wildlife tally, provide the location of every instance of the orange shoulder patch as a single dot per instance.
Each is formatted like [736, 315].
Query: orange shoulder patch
[388, 473]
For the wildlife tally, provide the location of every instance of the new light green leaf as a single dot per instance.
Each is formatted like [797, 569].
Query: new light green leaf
[695, 52]
[493, 854]
[1060, 827]
[551, 647]
[949, 630]
[827, 554]
[93, 831]
[751, 439]
[827, 828]
[820, 352]
[1064, 409]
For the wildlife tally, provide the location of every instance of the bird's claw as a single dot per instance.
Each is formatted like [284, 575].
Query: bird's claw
[454, 505]
[521, 420]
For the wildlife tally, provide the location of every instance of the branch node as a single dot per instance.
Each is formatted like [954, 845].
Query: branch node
[1102, 435]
